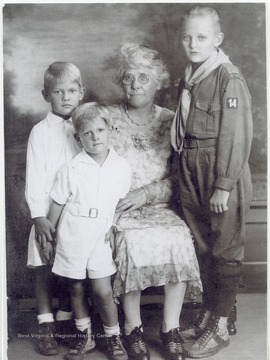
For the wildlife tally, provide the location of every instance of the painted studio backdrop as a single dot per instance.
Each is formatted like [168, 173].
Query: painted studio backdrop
[36, 35]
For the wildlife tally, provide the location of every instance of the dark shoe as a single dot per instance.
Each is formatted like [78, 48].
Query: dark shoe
[65, 331]
[210, 342]
[231, 321]
[84, 344]
[193, 332]
[136, 347]
[116, 350]
[172, 345]
[47, 344]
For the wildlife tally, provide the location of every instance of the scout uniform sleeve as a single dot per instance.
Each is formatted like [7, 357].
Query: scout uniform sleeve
[35, 185]
[235, 134]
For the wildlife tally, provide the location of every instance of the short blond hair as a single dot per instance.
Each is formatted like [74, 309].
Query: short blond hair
[61, 71]
[134, 55]
[200, 11]
[89, 112]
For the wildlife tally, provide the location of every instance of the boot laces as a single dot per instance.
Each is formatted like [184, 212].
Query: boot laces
[199, 320]
[81, 344]
[175, 343]
[48, 330]
[136, 341]
[115, 345]
[211, 328]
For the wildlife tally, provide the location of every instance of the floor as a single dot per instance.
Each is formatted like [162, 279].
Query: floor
[250, 342]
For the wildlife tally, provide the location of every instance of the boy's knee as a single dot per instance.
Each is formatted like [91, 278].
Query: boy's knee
[76, 287]
[103, 296]
[229, 268]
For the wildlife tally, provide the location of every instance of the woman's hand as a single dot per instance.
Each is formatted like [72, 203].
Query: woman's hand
[44, 231]
[133, 200]
[219, 201]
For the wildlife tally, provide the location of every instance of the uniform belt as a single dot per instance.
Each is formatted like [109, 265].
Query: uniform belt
[196, 144]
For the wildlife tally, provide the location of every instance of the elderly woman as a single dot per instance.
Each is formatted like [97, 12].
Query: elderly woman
[153, 245]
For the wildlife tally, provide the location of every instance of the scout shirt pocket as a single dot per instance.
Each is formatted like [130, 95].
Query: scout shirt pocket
[206, 117]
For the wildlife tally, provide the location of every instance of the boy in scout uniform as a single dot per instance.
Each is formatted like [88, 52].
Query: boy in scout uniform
[212, 132]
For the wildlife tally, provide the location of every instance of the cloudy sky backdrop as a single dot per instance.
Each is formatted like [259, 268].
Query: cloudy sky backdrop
[38, 35]
[35, 35]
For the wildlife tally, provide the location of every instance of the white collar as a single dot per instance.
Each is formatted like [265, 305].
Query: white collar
[55, 120]
[84, 157]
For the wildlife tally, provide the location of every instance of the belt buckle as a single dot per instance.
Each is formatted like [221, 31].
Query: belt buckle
[93, 213]
[197, 143]
[187, 143]
[192, 143]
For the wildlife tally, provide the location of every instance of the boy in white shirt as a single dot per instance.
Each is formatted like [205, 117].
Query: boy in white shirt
[51, 144]
[85, 196]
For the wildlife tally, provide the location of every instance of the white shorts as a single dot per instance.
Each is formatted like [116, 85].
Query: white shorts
[99, 265]
[81, 250]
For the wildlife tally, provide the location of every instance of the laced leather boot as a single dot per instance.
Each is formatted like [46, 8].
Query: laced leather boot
[135, 345]
[172, 345]
[193, 332]
[211, 341]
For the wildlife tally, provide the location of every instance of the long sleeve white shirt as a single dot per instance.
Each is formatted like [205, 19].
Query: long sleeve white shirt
[51, 144]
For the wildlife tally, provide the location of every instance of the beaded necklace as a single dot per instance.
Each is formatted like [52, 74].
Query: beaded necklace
[154, 111]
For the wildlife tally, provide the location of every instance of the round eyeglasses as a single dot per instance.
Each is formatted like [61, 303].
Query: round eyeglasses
[129, 79]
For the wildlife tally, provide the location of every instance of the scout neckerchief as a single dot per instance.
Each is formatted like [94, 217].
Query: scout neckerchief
[179, 122]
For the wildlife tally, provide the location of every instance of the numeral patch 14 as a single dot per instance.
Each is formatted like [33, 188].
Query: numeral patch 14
[232, 103]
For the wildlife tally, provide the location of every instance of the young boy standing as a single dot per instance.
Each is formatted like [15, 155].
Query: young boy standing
[85, 196]
[212, 132]
[51, 144]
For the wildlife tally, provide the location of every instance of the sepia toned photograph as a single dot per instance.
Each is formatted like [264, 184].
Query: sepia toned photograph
[135, 171]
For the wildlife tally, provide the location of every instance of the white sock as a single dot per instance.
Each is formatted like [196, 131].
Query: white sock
[45, 318]
[222, 326]
[128, 328]
[82, 324]
[112, 330]
[63, 315]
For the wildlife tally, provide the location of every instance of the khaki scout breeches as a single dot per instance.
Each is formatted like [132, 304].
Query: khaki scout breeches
[219, 238]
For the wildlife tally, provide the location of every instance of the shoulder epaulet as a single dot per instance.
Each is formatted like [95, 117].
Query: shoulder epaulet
[230, 68]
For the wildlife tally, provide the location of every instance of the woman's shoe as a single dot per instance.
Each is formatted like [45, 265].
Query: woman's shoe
[172, 345]
[135, 345]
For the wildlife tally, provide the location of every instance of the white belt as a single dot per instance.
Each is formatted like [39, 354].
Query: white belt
[79, 210]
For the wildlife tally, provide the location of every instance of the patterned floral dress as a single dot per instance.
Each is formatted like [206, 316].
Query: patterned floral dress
[154, 246]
